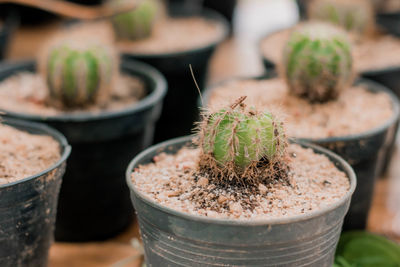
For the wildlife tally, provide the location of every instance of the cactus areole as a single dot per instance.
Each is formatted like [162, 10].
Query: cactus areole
[137, 23]
[78, 76]
[356, 16]
[317, 62]
[242, 144]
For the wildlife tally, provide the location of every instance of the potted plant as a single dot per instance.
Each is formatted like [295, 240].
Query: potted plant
[33, 160]
[106, 110]
[357, 122]
[168, 48]
[370, 47]
[226, 199]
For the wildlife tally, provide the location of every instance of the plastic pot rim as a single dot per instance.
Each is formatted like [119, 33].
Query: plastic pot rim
[240, 222]
[204, 13]
[149, 100]
[15, 123]
[345, 138]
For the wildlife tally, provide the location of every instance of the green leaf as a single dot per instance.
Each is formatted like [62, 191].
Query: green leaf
[363, 249]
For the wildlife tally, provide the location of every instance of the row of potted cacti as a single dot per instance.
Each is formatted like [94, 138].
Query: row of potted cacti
[241, 193]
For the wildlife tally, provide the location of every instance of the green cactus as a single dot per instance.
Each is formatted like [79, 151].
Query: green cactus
[137, 23]
[77, 76]
[353, 15]
[236, 141]
[317, 62]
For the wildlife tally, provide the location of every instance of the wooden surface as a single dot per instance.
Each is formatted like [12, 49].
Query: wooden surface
[234, 57]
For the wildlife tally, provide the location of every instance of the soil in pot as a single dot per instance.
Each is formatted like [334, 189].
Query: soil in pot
[357, 122]
[240, 178]
[32, 163]
[177, 41]
[107, 120]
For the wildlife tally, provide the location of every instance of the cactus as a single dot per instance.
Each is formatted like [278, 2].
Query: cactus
[317, 62]
[353, 15]
[137, 23]
[236, 141]
[77, 76]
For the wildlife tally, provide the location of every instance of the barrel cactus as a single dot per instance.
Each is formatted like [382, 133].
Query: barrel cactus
[355, 15]
[137, 23]
[79, 75]
[242, 144]
[317, 62]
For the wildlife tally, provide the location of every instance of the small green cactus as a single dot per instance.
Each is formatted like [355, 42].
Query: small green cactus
[235, 141]
[317, 62]
[78, 76]
[137, 23]
[353, 15]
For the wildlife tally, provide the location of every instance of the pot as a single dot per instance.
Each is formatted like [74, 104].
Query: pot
[10, 24]
[28, 207]
[94, 201]
[365, 152]
[173, 238]
[180, 108]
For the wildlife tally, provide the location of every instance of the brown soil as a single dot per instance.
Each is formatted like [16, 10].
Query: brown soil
[375, 53]
[355, 111]
[28, 93]
[171, 35]
[174, 181]
[23, 154]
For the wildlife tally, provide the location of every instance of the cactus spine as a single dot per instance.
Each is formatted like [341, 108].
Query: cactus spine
[235, 141]
[137, 23]
[317, 62]
[76, 75]
[353, 15]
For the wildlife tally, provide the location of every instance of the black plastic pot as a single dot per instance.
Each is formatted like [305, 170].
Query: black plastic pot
[225, 7]
[28, 207]
[10, 23]
[302, 6]
[180, 109]
[94, 200]
[174, 238]
[365, 152]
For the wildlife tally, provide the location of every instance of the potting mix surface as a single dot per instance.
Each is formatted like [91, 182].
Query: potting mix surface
[374, 53]
[23, 154]
[176, 35]
[175, 182]
[28, 93]
[355, 111]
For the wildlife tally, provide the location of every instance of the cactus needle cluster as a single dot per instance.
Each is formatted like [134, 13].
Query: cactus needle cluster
[317, 61]
[242, 145]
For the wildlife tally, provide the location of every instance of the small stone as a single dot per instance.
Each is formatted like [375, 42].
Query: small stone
[202, 181]
[235, 207]
[222, 199]
[173, 193]
[263, 189]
